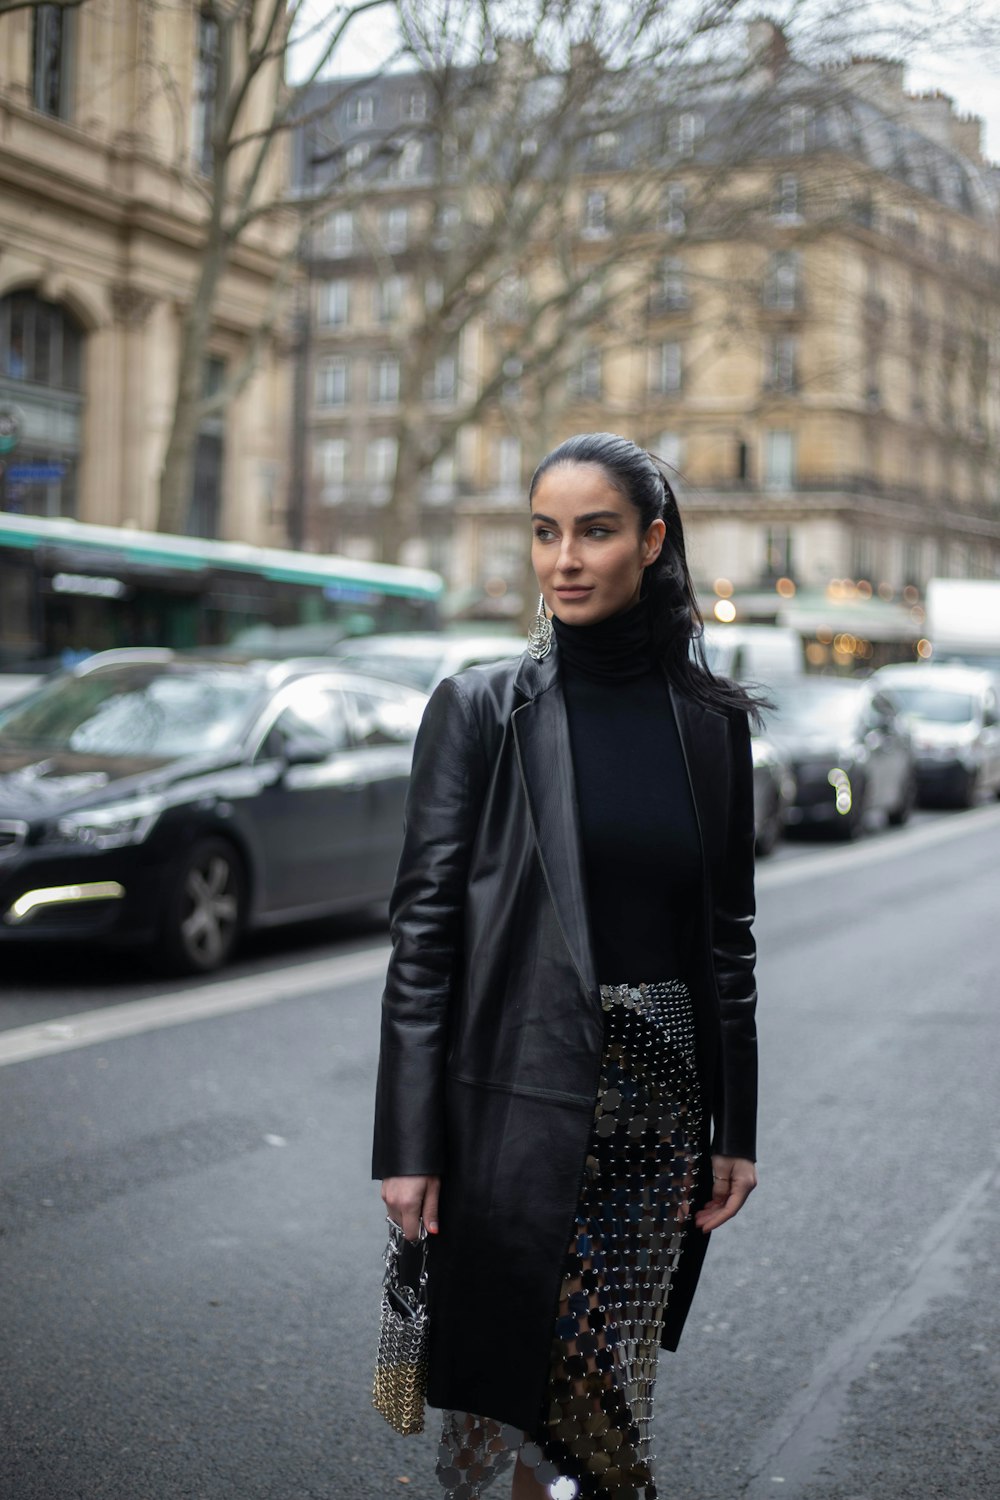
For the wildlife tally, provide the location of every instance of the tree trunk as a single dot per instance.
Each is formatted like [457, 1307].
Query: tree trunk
[177, 474]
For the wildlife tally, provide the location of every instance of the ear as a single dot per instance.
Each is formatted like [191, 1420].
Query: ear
[653, 543]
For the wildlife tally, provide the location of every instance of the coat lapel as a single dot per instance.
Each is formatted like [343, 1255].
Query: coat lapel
[541, 734]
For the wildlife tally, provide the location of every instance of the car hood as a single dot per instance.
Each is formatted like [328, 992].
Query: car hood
[802, 744]
[933, 732]
[33, 785]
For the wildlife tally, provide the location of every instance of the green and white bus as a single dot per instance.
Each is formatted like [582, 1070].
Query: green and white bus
[68, 589]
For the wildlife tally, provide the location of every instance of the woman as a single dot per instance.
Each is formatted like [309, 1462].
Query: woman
[567, 1083]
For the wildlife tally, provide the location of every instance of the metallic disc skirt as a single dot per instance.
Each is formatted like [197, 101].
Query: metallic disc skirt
[593, 1437]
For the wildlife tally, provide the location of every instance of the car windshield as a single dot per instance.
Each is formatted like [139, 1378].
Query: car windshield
[412, 668]
[938, 704]
[815, 708]
[134, 710]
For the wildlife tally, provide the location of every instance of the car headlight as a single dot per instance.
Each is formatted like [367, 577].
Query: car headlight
[107, 827]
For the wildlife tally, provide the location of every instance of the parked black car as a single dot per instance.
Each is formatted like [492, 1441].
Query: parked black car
[173, 801]
[849, 751]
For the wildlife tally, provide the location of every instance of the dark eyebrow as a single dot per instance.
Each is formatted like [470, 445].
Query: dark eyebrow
[593, 515]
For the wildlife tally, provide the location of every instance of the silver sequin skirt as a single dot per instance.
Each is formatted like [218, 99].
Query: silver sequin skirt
[593, 1436]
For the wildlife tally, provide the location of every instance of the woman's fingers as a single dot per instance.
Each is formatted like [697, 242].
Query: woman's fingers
[734, 1179]
[430, 1210]
[410, 1199]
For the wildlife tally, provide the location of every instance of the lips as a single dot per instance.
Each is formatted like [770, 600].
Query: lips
[574, 593]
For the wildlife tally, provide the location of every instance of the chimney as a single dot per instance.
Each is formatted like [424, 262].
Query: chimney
[767, 47]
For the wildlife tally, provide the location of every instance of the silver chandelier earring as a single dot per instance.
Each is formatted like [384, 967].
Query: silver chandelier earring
[540, 634]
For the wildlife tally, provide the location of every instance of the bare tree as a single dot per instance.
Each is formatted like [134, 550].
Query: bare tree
[249, 108]
[556, 157]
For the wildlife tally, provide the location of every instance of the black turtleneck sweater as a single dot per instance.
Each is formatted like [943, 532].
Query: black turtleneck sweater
[637, 819]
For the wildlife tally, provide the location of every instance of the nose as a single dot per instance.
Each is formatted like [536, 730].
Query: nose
[567, 561]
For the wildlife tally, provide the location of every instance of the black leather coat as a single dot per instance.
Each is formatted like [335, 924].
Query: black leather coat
[491, 1017]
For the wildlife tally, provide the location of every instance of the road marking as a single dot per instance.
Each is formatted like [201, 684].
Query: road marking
[25, 1043]
[132, 1017]
[892, 844]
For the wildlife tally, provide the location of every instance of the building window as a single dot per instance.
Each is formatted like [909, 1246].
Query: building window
[338, 234]
[334, 303]
[440, 485]
[795, 127]
[782, 372]
[384, 379]
[785, 205]
[670, 447]
[667, 372]
[443, 384]
[673, 285]
[415, 105]
[674, 210]
[507, 461]
[206, 86]
[356, 156]
[686, 131]
[361, 109]
[394, 229]
[782, 283]
[779, 460]
[389, 299]
[205, 510]
[41, 373]
[595, 213]
[407, 163]
[39, 342]
[331, 455]
[332, 381]
[51, 62]
[778, 558]
[433, 294]
[585, 379]
[380, 460]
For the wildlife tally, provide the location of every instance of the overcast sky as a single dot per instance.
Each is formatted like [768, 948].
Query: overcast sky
[964, 73]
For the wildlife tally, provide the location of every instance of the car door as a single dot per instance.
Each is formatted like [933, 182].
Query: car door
[309, 818]
[383, 723]
[991, 739]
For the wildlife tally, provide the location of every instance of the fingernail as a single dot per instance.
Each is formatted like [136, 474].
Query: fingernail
[432, 1227]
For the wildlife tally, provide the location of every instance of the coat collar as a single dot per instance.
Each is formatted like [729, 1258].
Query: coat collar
[541, 734]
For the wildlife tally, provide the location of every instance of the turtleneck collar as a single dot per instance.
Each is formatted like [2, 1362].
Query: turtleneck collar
[614, 648]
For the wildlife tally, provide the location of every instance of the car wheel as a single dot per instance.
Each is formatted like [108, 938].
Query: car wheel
[767, 835]
[900, 815]
[851, 824]
[205, 909]
[969, 793]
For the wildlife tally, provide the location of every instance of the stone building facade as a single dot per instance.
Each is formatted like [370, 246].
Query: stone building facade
[819, 356]
[104, 157]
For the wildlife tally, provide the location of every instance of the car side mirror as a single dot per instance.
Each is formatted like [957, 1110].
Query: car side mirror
[301, 751]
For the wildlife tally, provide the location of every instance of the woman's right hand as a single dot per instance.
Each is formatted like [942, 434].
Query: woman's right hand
[410, 1199]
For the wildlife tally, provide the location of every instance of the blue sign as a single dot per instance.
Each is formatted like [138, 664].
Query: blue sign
[35, 473]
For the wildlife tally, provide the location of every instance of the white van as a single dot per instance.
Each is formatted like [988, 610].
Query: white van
[754, 653]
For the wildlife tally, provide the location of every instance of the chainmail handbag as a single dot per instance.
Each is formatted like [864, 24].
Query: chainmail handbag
[401, 1363]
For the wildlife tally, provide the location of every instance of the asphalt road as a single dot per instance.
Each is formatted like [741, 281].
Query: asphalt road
[189, 1243]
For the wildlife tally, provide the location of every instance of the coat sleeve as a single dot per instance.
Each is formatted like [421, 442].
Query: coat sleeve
[734, 955]
[446, 790]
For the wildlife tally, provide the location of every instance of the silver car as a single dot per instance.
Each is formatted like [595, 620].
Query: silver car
[422, 660]
[954, 719]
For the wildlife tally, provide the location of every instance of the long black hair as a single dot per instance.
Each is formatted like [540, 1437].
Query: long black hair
[676, 621]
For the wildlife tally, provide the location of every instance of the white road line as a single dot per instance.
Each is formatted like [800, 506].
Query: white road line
[892, 845]
[133, 1017]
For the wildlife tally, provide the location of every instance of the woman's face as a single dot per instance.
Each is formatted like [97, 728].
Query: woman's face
[586, 549]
